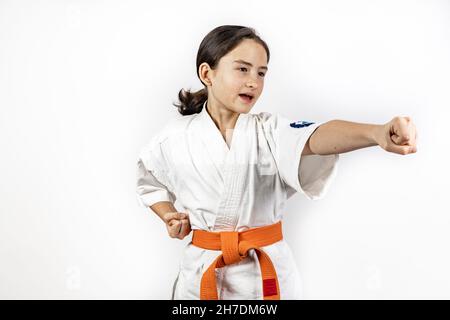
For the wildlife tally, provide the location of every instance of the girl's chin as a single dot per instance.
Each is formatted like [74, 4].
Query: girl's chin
[244, 109]
[244, 105]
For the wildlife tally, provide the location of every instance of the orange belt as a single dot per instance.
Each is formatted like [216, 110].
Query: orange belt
[235, 246]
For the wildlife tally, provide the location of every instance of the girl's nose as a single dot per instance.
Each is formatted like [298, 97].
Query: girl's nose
[252, 84]
[252, 81]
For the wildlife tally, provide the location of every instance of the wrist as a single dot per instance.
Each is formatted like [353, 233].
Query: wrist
[163, 208]
[375, 132]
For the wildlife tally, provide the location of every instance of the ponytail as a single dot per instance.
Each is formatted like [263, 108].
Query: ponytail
[191, 102]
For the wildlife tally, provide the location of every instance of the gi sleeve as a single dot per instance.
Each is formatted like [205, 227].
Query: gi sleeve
[309, 174]
[152, 183]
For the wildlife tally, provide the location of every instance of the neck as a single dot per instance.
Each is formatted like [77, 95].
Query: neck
[223, 118]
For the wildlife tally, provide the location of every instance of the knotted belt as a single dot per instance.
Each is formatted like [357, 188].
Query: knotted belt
[235, 246]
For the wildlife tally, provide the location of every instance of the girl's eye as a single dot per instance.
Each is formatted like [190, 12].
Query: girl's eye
[262, 74]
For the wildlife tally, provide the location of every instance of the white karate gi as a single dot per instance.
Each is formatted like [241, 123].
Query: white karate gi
[233, 189]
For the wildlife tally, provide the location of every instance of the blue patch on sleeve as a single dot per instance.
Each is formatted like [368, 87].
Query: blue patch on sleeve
[300, 124]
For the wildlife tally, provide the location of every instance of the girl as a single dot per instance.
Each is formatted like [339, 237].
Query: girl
[233, 171]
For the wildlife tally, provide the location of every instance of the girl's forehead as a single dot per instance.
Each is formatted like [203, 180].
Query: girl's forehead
[247, 51]
[245, 59]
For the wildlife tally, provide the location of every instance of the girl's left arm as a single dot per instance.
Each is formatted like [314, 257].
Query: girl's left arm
[338, 136]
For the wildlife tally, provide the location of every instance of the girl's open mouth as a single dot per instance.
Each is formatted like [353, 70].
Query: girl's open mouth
[246, 98]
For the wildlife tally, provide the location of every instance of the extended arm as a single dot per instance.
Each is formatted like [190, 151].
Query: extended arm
[338, 136]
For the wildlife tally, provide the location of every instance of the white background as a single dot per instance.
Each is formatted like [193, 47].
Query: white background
[85, 84]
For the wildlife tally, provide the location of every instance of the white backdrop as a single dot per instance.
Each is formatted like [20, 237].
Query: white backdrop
[85, 84]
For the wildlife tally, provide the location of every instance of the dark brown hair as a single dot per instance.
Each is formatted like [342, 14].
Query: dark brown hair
[217, 43]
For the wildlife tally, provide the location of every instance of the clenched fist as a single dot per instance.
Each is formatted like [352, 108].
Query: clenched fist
[398, 136]
[178, 224]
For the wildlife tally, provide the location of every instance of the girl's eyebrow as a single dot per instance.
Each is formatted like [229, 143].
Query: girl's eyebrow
[249, 64]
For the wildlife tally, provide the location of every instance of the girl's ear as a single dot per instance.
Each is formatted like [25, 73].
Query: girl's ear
[205, 72]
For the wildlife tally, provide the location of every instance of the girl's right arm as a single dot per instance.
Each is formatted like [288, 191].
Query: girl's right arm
[162, 208]
[177, 223]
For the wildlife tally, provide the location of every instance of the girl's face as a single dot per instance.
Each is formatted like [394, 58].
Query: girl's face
[242, 70]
